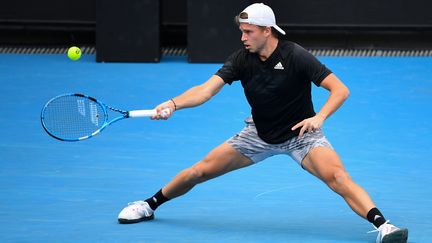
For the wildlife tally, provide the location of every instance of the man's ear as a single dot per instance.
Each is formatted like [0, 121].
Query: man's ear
[267, 31]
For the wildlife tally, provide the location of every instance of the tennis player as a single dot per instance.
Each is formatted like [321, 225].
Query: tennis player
[276, 76]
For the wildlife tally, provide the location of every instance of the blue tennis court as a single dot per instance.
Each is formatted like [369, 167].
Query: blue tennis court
[52, 191]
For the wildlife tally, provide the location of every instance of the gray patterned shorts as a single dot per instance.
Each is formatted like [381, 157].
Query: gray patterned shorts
[250, 145]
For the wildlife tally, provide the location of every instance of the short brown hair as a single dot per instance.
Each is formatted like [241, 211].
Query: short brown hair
[242, 15]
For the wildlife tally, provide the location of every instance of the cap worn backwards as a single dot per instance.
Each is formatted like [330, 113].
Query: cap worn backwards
[259, 14]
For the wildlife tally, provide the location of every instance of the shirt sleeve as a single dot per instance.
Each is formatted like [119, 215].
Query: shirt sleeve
[231, 70]
[310, 66]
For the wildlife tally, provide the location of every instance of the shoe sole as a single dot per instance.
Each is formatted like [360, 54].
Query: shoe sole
[398, 236]
[133, 221]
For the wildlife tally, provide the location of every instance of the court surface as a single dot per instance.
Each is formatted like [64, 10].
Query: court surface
[52, 191]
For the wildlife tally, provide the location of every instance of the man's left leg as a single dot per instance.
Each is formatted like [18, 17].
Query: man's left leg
[324, 163]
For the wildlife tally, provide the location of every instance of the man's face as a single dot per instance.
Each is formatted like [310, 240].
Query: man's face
[253, 37]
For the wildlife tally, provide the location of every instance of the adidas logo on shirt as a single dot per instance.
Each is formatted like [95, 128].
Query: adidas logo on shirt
[279, 66]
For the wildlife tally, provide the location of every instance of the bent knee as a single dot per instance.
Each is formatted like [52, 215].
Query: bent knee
[196, 174]
[339, 181]
[199, 172]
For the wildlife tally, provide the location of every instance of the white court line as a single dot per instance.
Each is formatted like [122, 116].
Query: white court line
[281, 189]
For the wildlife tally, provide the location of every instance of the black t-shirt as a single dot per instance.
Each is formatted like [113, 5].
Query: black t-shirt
[278, 89]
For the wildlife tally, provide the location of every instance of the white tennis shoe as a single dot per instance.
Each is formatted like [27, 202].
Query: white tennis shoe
[388, 233]
[136, 212]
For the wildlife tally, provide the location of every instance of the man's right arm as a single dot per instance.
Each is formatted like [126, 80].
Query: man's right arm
[195, 96]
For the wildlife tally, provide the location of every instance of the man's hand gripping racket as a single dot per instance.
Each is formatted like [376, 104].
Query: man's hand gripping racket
[164, 110]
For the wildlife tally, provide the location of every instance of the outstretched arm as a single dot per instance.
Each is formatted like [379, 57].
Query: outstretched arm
[195, 96]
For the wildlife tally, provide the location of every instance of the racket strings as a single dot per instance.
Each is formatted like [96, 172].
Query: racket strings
[73, 117]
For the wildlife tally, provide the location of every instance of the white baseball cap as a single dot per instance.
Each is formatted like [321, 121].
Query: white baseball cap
[259, 14]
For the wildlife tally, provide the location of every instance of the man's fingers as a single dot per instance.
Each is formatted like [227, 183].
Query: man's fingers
[297, 125]
[302, 131]
[162, 113]
[307, 125]
[165, 113]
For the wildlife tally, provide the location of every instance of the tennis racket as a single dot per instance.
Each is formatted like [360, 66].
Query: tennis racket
[75, 117]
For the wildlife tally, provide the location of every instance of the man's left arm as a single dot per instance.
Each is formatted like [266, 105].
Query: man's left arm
[338, 94]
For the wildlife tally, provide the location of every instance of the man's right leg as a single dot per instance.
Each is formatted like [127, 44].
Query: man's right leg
[219, 161]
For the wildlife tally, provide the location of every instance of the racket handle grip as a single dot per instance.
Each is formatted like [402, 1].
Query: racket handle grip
[146, 113]
[142, 113]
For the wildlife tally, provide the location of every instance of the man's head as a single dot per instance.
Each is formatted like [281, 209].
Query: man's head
[257, 23]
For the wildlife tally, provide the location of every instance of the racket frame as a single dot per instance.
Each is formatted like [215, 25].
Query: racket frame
[106, 123]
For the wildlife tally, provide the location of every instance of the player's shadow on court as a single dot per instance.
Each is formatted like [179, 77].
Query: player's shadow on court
[300, 229]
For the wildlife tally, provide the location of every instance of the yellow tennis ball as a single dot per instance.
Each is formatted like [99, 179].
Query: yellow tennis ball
[74, 53]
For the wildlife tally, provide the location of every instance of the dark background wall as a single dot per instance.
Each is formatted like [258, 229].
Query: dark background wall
[353, 13]
[384, 24]
[48, 10]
